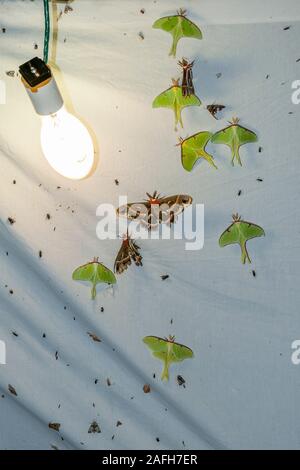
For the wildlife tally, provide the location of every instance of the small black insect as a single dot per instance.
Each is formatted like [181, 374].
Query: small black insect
[3, 30]
[94, 428]
[286, 28]
[117, 182]
[259, 149]
[164, 277]
[40, 254]
[240, 192]
[253, 273]
[12, 390]
[11, 220]
[67, 9]
[180, 381]
[214, 109]
[259, 179]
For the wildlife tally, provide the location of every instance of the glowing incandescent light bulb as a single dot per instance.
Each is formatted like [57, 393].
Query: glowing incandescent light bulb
[66, 143]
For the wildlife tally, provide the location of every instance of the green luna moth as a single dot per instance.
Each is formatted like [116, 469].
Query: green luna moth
[240, 232]
[167, 351]
[95, 273]
[234, 136]
[179, 26]
[173, 98]
[193, 148]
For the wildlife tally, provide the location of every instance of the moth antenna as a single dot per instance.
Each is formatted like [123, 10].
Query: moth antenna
[234, 120]
[181, 12]
[175, 82]
[184, 63]
[236, 217]
[180, 140]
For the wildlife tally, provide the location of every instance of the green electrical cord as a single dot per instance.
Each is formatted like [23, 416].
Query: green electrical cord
[47, 30]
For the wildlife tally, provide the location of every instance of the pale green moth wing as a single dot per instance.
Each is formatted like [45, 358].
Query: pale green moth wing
[166, 99]
[160, 355]
[167, 351]
[245, 135]
[240, 232]
[173, 98]
[189, 100]
[167, 23]
[250, 230]
[190, 29]
[95, 273]
[234, 136]
[179, 27]
[193, 148]
[230, 236]
[155, 344]
[174, 358]
[181, 352]
[224, 136]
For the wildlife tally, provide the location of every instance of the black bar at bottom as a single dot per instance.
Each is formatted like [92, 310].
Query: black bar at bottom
[135, 458]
